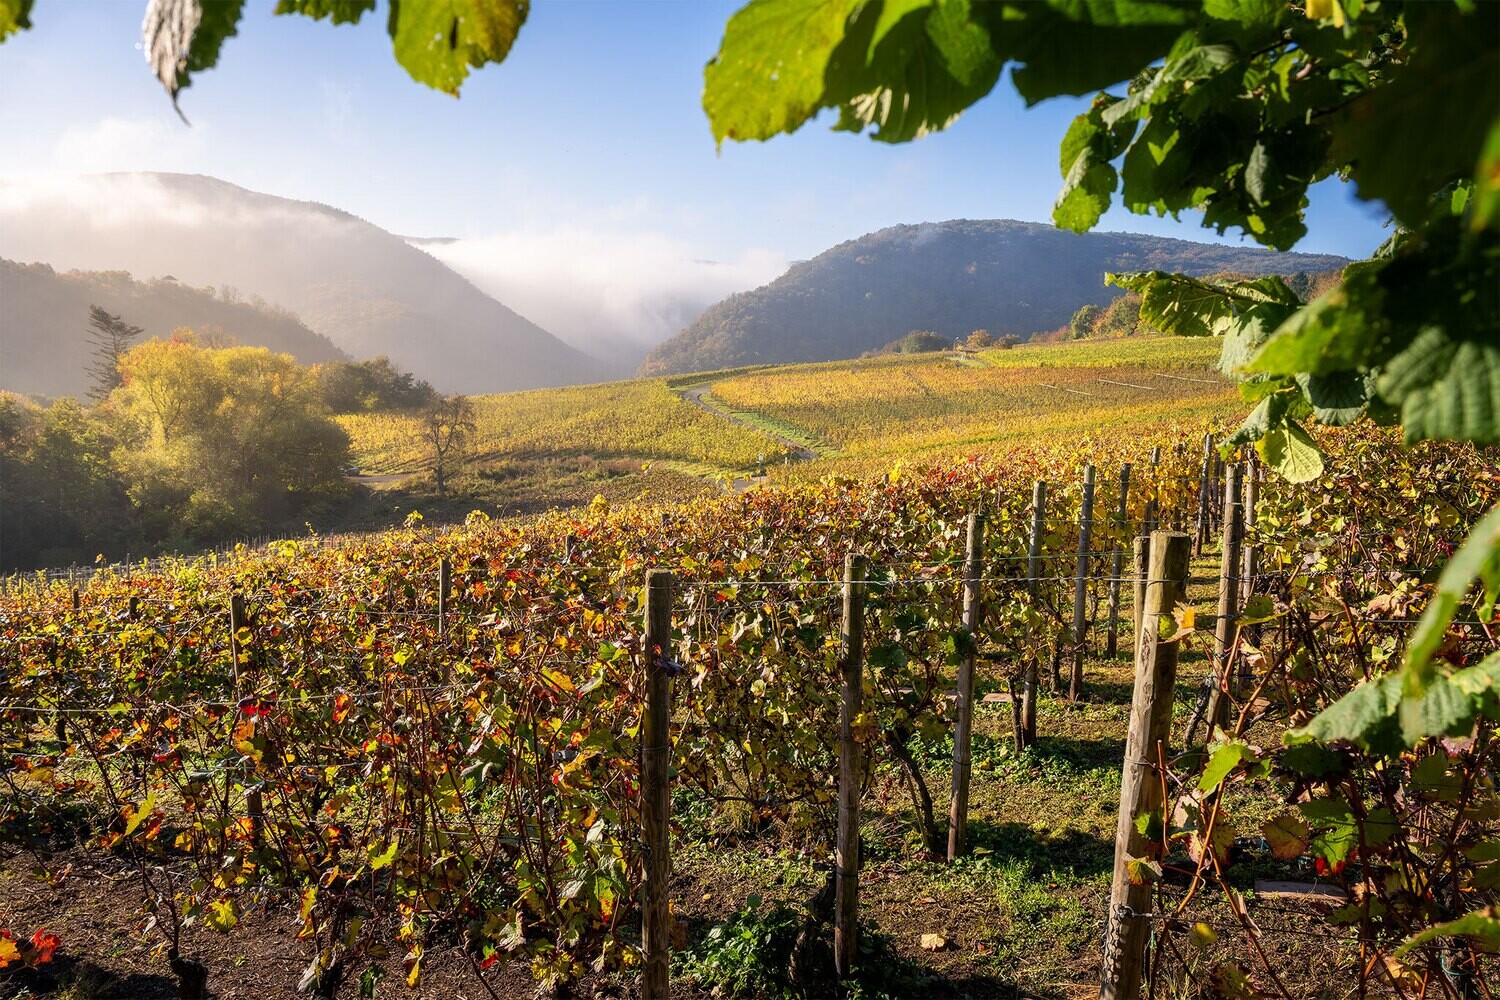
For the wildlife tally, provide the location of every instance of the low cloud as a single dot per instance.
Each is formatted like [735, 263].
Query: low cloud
[140, 143]
[612, 293]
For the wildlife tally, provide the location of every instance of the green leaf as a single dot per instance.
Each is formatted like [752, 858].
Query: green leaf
[1291, 452]
[1306, 756]
[1432, 780]
[768, 76]
[1225, 758]
[923, 64]
[1259, 14]
[1481, 925]
[183, 37]
[1478, 558]
[1426, 125]
[381, 858]
[1447, 384]
[1365, 716]
[15, 15]
[1328, 335]
[1260, 608]
[138, 813]
[1085, 194]
[1073, 47]
[1179, 305]
[1142, 871]
[1287, 835]
[1335, 832]
[221, 915]
[1448, 706]
[1337, 399]
[437, 41]
[1484, 204]
[337, 11]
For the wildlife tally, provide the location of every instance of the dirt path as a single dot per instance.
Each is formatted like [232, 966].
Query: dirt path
[694, 394]
[799, 452]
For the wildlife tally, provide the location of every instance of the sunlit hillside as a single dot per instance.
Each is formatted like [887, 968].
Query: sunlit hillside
[808, 420]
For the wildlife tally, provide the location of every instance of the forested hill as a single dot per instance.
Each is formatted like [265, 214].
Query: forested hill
[44, 323]
[367, 290]
[949, 277]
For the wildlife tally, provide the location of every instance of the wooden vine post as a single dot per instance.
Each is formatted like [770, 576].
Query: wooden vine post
[445, 583]
[1229, 592]
[1140, 784]
[1117, 561]
[1153, 505]
[1249, 555]
[1200, 534]
[1141, 556]
[656, 792]
[958, 803]
[1081, 582]
[851, 769]
[1033, 585]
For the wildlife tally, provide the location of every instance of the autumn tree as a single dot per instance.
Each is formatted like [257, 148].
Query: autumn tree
[110, 336]
[446, 427]
[224, 441]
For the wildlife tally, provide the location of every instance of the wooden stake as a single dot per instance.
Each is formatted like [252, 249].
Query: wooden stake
[445, 582]
[1033, 584]
[1200, 534]
[851, 769]
[1081, 582]
[1142, 556]
[1117, 562]
[1141, 785]
[1249, 555]
[1229, 592]
[656, 792]
[1154, 503]
[958, 804]
[236, 621]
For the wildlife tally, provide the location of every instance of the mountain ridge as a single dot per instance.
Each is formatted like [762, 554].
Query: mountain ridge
[367, 290]
[950, 277]
[45, 349]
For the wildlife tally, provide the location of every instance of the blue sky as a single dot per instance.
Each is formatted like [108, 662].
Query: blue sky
[594, 120]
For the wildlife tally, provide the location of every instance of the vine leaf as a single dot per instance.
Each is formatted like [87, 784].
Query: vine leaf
[1291, 451]
[1288, 836]
[15, 15]
[183, 37]
[437, 41]
[1481, 925]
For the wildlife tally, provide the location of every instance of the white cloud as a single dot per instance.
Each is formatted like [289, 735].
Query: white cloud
[607, 291]
[146, 143]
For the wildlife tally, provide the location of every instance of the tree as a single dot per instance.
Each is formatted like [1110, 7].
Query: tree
[110, 336]
[223, 441]
[446, 426]
[979, 340]
[1082, 323]
[377, 384]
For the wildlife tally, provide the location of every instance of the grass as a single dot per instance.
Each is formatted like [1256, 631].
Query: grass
[873, 411]
[559, 448]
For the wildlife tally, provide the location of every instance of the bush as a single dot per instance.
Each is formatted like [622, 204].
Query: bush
[922, 342]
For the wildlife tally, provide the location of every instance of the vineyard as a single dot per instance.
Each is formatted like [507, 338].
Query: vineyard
[560, 447]
[431, 757]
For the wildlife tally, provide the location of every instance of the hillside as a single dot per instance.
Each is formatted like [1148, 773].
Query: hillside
[44, 320]
[950, 277]
[367, 290]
